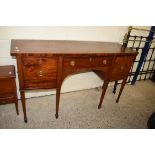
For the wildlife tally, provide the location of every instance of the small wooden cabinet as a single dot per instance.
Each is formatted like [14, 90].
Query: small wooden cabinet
[8, 92]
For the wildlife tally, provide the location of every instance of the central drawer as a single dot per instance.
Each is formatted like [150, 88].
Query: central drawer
[102, 61]
[77, 62]
[87, 62]
[39, 72]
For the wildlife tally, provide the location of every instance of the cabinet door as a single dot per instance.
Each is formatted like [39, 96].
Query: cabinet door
[122, 67]
[6, 87]
[39, 72]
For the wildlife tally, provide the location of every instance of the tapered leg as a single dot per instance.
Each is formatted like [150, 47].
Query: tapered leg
[16, 106]
[15, 94]
[22, 93]
[104, 88]
[57, 102]
[121, 90]
[115, 86]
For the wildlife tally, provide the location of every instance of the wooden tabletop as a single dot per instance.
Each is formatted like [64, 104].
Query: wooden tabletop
[7, 71]
[66, 47]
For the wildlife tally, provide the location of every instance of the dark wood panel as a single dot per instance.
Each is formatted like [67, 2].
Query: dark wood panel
[8, 92]
[73, 63]
[102, 61]
[6, 100]
[39, 72]
[7, 71]
[42, 61]
[66, 47]
[41, 83]
[122, 67]
[6, 86]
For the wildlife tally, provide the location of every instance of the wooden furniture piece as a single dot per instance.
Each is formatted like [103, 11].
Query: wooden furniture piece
[153, 77]
[8, 91]
[46, 63]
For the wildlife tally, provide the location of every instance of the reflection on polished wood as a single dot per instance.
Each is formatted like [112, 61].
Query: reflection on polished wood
[44, 64]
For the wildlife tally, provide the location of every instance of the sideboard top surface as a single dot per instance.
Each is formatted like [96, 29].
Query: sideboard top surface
[66, 47]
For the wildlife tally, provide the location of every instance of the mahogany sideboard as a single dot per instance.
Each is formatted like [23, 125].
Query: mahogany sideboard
[44, 64]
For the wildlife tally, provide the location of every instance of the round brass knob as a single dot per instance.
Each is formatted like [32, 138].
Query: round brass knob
[10, 72]
[104, 62]
[122, 67]
[72, 63]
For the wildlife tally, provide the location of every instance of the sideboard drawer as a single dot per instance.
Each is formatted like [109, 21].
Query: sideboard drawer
[102, 61]
[44, 62]
[39, 72]
[6, 100]
[122, 67]
[41, 83]
[74, 63]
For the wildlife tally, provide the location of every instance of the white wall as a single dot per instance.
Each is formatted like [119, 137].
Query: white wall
[75, 82]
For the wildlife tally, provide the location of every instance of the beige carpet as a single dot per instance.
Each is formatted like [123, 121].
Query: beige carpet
[79, 109]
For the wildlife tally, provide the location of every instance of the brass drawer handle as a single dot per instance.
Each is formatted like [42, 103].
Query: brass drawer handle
[72, 63]
[90, 59]
[40, 73]
[104, 62]
[122, 68]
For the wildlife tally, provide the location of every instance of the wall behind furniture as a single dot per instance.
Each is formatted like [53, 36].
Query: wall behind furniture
[93, 33]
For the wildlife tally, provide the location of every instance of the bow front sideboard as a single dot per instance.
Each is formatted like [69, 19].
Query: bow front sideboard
[44, 64]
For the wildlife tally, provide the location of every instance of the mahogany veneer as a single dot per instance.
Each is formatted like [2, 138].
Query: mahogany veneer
[44, 64]
[8, 91]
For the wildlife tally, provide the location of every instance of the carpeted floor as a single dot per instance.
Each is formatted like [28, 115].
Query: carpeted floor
[79, 109]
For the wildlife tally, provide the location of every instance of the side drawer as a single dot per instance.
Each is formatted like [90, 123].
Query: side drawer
[41, 82]
[39, 72]
[7, 100]
[122, 67]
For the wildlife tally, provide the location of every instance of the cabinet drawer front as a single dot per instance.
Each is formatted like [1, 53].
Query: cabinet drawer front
[7, 100]
[6, 85]
[39, 72]
[44, 62]
[39, 78]
[40, 83]
[102, 61]
[73, 63]
[122, 67]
